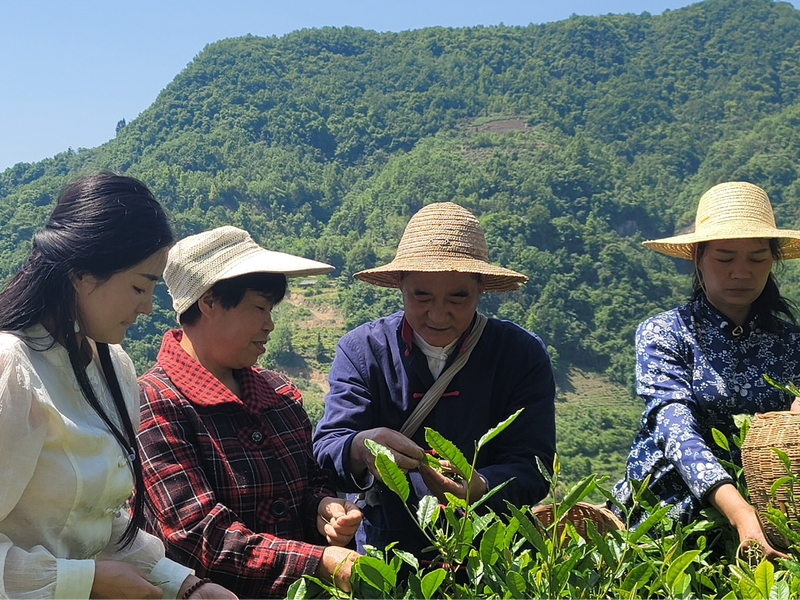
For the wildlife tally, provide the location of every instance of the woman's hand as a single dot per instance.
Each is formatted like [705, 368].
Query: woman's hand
[727, 499]
[439, 483]
[336, 565]
[115, 579]
[207, 591]
[338, 520]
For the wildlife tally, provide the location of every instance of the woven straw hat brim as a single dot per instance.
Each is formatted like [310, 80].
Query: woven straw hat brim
[443, 237]
[680, 246]
[498, 279]
[732, 210]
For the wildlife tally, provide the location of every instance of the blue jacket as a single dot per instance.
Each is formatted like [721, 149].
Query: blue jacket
[694, 375]
[378, 377]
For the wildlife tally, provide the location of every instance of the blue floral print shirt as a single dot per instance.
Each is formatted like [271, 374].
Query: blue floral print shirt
[694, 374]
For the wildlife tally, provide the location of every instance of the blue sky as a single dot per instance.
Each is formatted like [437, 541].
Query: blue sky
[70, 69]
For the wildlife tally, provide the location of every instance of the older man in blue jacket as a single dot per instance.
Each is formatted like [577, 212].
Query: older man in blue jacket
[440, 364]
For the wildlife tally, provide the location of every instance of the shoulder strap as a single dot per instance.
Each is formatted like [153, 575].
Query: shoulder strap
[435, 392]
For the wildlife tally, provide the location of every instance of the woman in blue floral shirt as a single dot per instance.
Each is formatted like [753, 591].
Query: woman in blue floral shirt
[700, 364]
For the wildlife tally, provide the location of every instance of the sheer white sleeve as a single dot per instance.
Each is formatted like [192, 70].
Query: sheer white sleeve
[146, 552]
[33, 573]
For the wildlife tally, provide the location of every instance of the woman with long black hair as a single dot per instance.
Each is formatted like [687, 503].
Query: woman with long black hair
[69, 403]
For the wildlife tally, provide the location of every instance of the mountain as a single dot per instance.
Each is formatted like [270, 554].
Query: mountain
[571, 141]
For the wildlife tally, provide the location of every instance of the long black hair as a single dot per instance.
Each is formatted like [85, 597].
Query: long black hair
[768, 305]
[102, 224]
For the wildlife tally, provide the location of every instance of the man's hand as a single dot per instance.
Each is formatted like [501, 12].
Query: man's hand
[339, 561]
[439, 483]
[338, 520]
[406, 453]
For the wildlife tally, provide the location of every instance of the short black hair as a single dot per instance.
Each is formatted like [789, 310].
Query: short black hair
[229, 292]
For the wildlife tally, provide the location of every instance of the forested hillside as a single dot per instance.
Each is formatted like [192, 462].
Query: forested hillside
[572, 142]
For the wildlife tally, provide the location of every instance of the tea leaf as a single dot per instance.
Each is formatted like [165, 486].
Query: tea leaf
[779, 520]
[644, 526]
[407, 558]
[377, 449]
[489, 543]
[579, 491]
[432, 462]
[489, 435]
[790, 565]
[428, 511]
[431, 582]
[529, 531]
[376, 572]
[455, 500]
[602, 547]
[784, 458]
[298, 590]
[448, 451]
[564, 570]
[465, 539]
[789, 387]
[491, 493]
[481, 522]
[637, 577]
[720, 439]
[747, 590]
[679, 566]
[779, 590]
[778, 483]
[392, 476]
[516, 584]
[544, 471]
[764, 577]
[414, 586]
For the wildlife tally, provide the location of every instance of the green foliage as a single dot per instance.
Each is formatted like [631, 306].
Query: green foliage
[481, 554]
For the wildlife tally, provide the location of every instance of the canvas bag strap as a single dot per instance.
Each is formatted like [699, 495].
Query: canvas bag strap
[435, 392]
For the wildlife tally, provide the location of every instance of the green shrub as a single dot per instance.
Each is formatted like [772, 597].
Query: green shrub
[515, 555]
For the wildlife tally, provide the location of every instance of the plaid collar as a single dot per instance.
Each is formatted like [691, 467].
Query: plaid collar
[200, 387]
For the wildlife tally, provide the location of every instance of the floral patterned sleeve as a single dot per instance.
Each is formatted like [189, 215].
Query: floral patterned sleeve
[664, 381]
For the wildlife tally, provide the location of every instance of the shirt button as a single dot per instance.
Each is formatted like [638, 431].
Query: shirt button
[257, 436]
[278, 508]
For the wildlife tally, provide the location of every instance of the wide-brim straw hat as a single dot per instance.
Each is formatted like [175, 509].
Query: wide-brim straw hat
[729, 211]
[443, 237]
[199, 261]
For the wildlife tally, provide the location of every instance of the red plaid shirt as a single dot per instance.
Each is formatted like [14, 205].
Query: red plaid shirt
[233, 483]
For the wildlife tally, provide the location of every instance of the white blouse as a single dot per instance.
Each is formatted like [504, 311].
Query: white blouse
[64, 479]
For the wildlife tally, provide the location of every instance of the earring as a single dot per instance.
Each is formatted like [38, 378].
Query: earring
[77, 326]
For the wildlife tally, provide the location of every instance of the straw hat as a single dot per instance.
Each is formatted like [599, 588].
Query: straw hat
[443, 237]
[199, 261]
[728, 211]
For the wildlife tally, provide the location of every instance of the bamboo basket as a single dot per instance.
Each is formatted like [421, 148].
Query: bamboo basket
[762, 467]
[602, 518]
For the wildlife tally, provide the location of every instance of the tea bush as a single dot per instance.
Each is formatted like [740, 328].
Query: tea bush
[481, 554]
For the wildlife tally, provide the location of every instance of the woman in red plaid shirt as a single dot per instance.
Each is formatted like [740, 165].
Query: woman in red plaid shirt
[233, 486]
